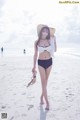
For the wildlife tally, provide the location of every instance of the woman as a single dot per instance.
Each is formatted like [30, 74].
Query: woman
[44, 45]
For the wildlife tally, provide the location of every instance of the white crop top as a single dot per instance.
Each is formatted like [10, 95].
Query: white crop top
[49, 48]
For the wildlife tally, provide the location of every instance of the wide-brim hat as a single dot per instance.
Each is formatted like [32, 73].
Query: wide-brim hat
[40, 26]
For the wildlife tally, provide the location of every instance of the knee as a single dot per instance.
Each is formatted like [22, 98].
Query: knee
[44, 87]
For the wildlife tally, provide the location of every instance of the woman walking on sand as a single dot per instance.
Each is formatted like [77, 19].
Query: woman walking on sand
[45, 46]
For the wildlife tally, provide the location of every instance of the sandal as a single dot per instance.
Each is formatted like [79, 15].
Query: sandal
[33, 80]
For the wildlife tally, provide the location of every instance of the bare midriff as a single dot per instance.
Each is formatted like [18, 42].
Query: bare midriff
[44, 55]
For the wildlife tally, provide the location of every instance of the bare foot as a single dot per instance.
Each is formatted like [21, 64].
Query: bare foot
[47, 106]
[42, 102]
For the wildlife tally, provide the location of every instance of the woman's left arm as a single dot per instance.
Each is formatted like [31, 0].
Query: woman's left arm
[55, 44]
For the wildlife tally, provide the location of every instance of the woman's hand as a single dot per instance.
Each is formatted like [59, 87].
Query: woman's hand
[33, 70]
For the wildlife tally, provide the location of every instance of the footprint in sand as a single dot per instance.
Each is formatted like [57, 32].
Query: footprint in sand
[21, 106]
[3, 65]
[14, 103]
[12, 118]
[3, 107]
[24, 115]
[30, 106]
[3, 77]
[10, 90]
[14, 94]
[30, 97]
[23, 93]
[9, 107]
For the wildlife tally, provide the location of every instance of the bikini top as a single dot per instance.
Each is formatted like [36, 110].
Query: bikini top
[49, 48]
[44, 48]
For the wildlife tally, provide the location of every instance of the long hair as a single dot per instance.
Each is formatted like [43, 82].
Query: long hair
[40, 34]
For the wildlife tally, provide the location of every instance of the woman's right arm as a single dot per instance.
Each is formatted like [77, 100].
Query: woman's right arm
[35, 57]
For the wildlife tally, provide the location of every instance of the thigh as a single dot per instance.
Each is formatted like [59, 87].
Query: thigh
[48, 70]
[42, 74]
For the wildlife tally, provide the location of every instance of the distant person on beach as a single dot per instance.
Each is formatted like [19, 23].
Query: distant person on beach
[46, 46]
[24, 51]
[2, 49]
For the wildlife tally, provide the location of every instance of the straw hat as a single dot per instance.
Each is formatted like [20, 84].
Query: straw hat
[40, 26]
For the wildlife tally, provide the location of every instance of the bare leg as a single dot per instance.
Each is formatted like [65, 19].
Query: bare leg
[42, 102]
[47, 76]
[48, 70]
[43, 82]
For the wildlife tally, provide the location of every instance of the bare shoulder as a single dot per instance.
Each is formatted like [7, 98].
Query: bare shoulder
[35, 42]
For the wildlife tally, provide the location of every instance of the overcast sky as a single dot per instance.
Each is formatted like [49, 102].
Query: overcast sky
[19, 19]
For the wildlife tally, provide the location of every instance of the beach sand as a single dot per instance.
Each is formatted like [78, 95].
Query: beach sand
[22, 103]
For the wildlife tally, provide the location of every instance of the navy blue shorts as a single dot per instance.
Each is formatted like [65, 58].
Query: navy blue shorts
[45, 63]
